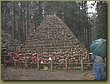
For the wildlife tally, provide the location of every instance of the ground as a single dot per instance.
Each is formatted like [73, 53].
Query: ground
[10, 73]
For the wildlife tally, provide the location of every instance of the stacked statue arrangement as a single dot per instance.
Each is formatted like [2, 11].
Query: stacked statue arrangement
[53, 43]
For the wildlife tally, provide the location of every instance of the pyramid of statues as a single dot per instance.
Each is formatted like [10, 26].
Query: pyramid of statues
[52, 38]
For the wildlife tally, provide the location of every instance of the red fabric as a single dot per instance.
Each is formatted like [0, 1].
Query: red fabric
[9, 61]
[36, 50]
[65, 65]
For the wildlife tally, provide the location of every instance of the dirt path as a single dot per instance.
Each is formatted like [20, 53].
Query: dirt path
[33, 74]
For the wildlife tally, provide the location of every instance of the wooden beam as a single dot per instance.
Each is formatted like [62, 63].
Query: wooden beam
[81, 64]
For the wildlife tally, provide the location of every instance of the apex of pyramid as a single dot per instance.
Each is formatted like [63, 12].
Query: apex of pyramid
[53, 22]
[52, 17]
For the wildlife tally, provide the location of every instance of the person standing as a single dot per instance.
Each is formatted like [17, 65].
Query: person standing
[99, 66]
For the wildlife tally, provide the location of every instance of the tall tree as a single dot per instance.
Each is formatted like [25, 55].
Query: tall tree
[102, 19]
[86, 24]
